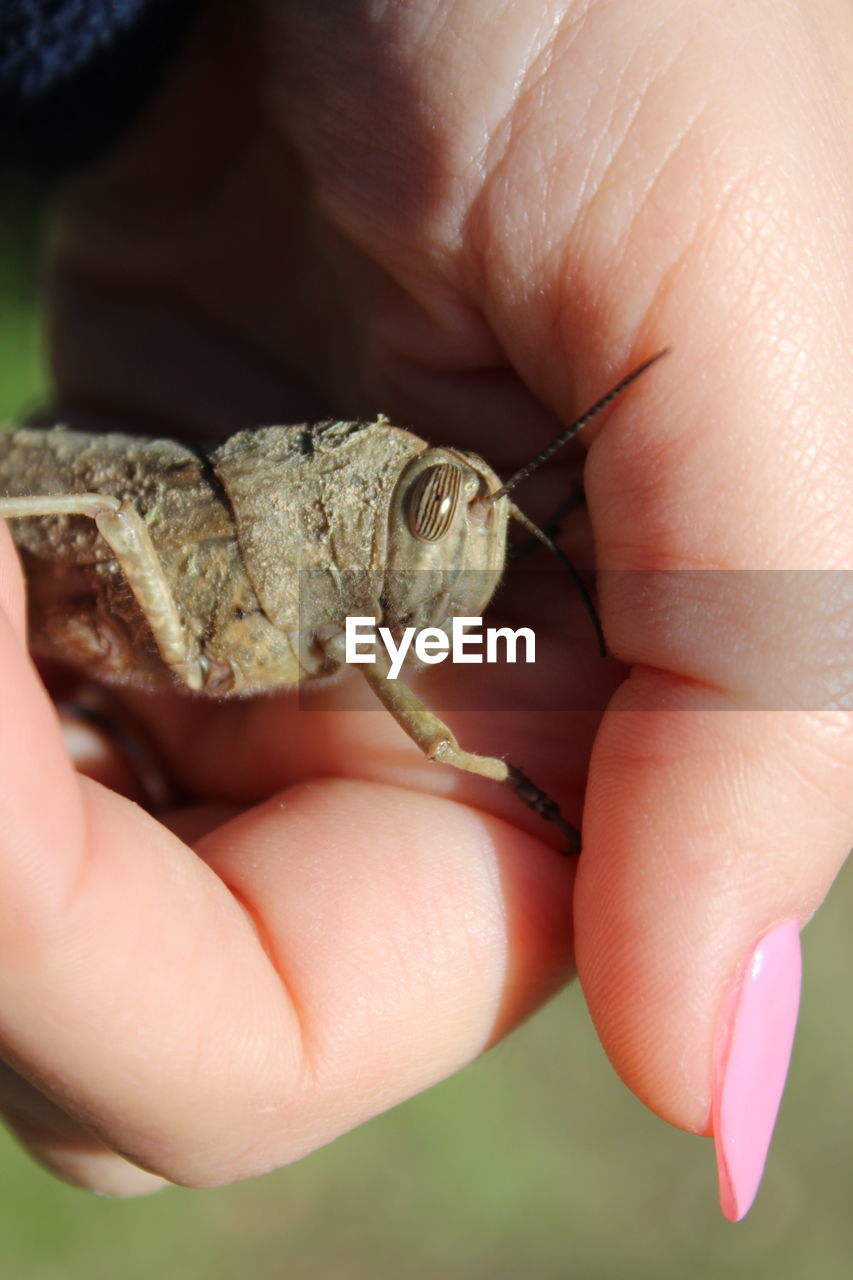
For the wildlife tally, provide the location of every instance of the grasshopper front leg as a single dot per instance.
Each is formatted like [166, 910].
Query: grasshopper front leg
[126, 534]
[438, 743]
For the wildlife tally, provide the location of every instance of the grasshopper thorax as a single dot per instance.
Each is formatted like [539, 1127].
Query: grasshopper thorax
[446, 540]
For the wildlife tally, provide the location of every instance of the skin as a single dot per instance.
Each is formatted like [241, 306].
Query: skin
[473, 218]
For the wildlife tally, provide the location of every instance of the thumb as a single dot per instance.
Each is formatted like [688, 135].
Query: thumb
[704, 851]
[720, 799]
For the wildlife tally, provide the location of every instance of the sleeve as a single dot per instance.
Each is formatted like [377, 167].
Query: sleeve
[74, 75]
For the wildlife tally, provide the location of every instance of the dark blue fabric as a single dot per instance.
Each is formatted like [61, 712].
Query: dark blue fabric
[75, 73]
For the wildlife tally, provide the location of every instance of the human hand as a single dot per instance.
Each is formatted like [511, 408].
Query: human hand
[473, 229]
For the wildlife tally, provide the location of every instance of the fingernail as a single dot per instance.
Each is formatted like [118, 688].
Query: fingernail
[755, 1038]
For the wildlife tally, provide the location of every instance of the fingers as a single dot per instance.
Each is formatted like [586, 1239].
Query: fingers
[719, 800]
[719, 803]
[210, 1016]
[47, 1132]
[705, 826]
[40, 856]
[371, 946]
[64, 1147]
[11, 583]
[696, 197]
[41, 829]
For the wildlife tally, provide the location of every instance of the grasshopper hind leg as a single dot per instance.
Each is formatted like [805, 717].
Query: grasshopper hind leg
[438, 743]
[125, 532]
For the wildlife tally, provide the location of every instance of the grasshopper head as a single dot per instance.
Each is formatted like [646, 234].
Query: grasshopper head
[446, 541]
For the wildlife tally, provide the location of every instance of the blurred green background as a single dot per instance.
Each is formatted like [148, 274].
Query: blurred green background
[534, 1162]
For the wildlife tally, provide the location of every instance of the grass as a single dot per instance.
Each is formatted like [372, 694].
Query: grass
[534, 1162]
[21, 368]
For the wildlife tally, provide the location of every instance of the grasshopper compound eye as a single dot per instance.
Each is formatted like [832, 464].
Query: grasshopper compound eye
[432, 501]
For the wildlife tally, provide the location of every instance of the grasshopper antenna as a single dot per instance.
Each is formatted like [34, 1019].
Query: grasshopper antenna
[548, 452]
[570, 432]
[588, 602]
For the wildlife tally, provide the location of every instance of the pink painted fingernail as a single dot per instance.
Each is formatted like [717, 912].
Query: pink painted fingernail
[755, 1038]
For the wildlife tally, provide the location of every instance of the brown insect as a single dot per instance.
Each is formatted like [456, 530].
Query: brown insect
[232, 570]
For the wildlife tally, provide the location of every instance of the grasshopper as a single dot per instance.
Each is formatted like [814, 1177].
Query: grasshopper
[231, 570]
